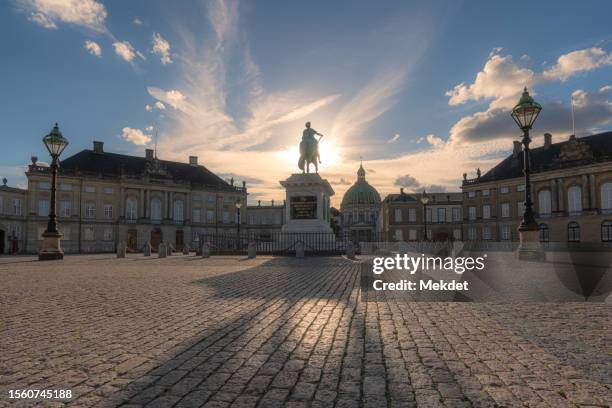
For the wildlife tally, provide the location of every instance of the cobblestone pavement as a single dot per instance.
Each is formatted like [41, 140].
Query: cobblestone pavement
[221, 332]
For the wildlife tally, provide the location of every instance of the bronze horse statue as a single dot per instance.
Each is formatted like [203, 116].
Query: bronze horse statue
[309, 150]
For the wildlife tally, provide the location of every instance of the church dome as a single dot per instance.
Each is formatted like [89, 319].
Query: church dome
[361, 192]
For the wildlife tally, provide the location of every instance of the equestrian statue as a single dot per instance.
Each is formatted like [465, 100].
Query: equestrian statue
[309, 149]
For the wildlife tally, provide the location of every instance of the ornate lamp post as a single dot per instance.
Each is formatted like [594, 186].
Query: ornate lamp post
[525, 114]
[425, 201]
[55, 143]
[238, 205]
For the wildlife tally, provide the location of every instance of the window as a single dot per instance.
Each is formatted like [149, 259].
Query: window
[544, 203]
[90, 189]
[156, 210]
[131, 209]
[573, 232]
[485, 192]
[66, 233]
[195, 236]
[178, 211]
[441, 214]
[226, 217]
[520, 188]
[486, 232]
[43, 207]
[90, 210]
[412, 215]
[196, 216]
[65, 208]
[506, 233]
[108, 211]
[399, 236]
[412, 235]
[486, 211]
[228, 200]
[544, 233]
[210, 216]
[1, 206]
[17, 206]
[472, 233]
[88, 234]
[471, 194]
[472, 213]
[505, 210]
[211, 199]
[428, 214]
[574, 199]
[108, 234]
[520, 208]
[44, 185]
[108, 190]
[504, 190]
[606, 231]
[606, 196]
[397, 215]
[65, 187]
[457, 234]
[456, 214]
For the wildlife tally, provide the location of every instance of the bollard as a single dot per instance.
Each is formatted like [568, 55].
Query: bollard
[121, 250]
[185, 249]
[147, 249]
[251, 251]
[161, 251]
[299, 249]
[205, 250]
[350, 250]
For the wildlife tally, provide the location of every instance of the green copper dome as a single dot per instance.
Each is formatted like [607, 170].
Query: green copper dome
[361, 192]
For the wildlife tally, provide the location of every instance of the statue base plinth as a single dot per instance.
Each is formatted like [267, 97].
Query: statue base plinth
[307, 203]
[51, 249]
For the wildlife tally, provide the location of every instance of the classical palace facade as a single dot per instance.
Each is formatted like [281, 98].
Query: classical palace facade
[403, 217]
[106, 198]
[571, 190]
[360, 209]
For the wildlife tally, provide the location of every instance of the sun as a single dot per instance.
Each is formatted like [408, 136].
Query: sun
[329, 152]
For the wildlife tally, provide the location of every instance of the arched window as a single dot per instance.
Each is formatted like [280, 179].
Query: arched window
[574, 199]
[606, 196]
[544, 233]
[156, 209]
[178, 211]
[606, 231]
[544, 203]
[131, 209]
[573, 232]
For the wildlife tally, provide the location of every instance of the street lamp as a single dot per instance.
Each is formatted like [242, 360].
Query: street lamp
[525, 114]
[238, 205]
[424, 201]
[55, 143]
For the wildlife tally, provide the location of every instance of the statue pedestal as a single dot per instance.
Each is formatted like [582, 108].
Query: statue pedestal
[51, 248]
[308, 200]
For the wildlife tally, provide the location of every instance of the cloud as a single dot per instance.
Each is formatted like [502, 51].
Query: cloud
[341, 182]
[84, 13]
[161, 47]
[394, 139]
[434, 140]
[125, 50]
[406, 181]
[578, 61]
[93, 48]
[157, 105]
[172, 97]
[135, 136]
[137, 21]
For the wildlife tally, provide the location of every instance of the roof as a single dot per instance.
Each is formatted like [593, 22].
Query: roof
[361, 192]
[435, 198]
[115, 165]
[572, 152]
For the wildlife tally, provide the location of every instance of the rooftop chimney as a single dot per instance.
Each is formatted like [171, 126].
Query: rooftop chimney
[149, 154]
[401, 190]
[98, 147]
[547, 140]
[516, 149]
[193, 160]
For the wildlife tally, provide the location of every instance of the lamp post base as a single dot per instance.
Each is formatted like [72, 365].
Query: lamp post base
[530, 248]
[51, 249]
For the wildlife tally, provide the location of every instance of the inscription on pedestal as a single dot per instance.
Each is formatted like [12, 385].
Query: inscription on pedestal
[303, 207]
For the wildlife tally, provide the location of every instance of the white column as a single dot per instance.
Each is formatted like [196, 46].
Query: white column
[554, 200]
[592, 192]
[142, 203]
[585, 192]
[560, 195]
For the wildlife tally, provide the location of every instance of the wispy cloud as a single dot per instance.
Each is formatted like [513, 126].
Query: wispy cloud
[89, 14]
[161, 47]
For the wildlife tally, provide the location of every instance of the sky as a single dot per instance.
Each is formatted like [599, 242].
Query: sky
[420, 92]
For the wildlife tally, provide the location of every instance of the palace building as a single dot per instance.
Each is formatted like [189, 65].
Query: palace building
[571, 191]
[106, 198]
[360, 208]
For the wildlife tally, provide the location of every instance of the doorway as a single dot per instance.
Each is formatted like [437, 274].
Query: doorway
[179, 240]
[156, 238]
[132, 240]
